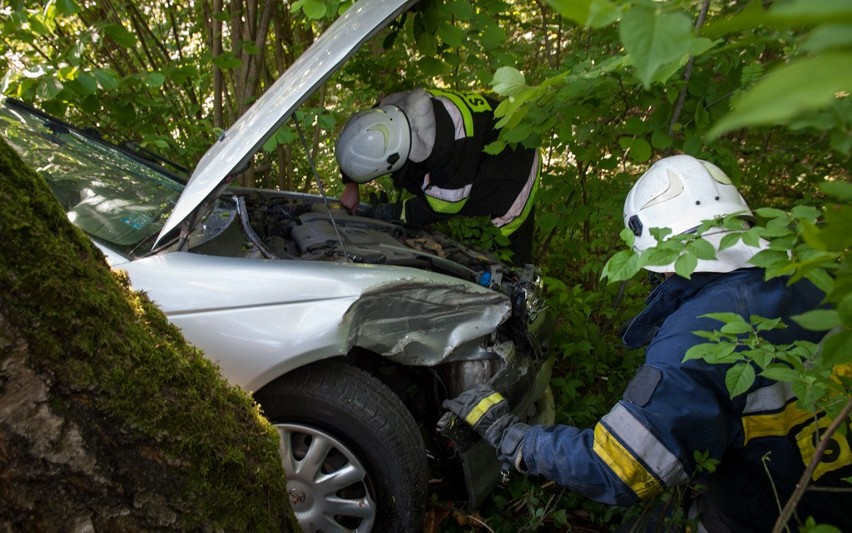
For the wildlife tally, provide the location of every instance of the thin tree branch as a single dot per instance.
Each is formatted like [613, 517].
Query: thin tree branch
[802, 485]
[687, 71]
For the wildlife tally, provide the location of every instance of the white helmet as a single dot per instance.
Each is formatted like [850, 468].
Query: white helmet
[373, 142]
[680, 192]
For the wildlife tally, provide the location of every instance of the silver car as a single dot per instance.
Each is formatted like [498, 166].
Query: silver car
[348, 331]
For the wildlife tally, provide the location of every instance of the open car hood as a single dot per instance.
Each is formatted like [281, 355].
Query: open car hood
[238, 144]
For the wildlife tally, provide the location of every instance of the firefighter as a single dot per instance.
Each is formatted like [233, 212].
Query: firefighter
[432, 143]
[673, 410]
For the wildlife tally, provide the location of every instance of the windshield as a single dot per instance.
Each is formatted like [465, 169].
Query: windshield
[106, 192]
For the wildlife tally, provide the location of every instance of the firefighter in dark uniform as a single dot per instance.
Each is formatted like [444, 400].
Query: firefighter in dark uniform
[674, 409]
[432, 143]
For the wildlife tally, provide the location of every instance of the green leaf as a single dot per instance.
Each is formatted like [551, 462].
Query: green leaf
[802, 85]
[639, 150]
[835, 232]
[622, 266]
[842, 190]
[662, 255]
[85, 84]
[155, 80]
[38, 26]
[508, 81]
[627, 236]
[250, 48]
[313, 9]
[736, 328]
[120, 35]
[326, 122]
[724, 317]
[769, 258]
[844, 309]
[710, 352]
[821, 279]
[837, 349]
[767, 324]
[492, 36]
[430, 66]
[793, 14]
[660, 139]
[702, 249]
[780, 372]
[739, 378]
[48, 88]
[828, 36]
[67, 7]
[517, 134]
[818, 319]
[106, 79]
[654, 39]
[769, 212]
[660, 233]
[814, 11]
[592, 13]
[729, 240]
[270, 144]
[685, 265]
[461, 9]
[227, 61]
[451, 35]
[805, 212]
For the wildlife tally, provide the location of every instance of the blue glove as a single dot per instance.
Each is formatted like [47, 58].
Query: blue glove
[487, 412]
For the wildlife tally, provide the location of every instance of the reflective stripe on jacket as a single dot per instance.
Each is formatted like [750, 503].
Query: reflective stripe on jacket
[674, 410]
[458, 177]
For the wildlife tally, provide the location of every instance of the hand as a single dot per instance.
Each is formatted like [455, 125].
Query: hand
[487, 411]
[388, 212]
[350, 197]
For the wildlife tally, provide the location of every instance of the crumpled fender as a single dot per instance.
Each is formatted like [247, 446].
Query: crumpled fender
[424, 323]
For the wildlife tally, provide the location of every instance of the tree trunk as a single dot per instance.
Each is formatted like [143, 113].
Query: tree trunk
[109, 420]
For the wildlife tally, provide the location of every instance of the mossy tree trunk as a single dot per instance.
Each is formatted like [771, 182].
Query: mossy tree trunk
[109, 420]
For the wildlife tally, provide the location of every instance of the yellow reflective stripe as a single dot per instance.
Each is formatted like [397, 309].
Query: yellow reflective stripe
[512, 226]
[643, 445]
[444, 206]
[624, 464]
[461, 102]
[837, 455]
[774, 424]
[482, 407]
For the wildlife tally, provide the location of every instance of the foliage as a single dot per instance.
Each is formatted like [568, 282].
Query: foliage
[602, 86]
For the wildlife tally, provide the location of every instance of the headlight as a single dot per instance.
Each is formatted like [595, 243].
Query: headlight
[528, 301]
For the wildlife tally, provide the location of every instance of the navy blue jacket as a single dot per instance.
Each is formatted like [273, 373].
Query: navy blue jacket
[674, 409]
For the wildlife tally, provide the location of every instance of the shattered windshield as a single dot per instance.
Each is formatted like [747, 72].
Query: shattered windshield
[110, 195]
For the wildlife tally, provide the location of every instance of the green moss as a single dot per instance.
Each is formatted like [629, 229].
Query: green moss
[125, 373]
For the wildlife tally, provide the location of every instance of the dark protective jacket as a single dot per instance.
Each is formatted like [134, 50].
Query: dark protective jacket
[673, 410]
[453, 175]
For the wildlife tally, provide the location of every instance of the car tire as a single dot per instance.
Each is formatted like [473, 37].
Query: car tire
[353, 455]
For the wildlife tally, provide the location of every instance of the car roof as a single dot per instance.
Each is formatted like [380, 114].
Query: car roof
[235, 146]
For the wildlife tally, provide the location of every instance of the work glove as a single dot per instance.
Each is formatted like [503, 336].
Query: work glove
[487, 412]
[381, 198]
[388, 212]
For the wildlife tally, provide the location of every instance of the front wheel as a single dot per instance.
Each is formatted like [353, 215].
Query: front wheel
[353, 456]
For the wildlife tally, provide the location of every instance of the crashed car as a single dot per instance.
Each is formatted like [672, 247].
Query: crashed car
[348, 331]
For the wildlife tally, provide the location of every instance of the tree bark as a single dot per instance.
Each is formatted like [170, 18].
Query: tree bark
[109, 420]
